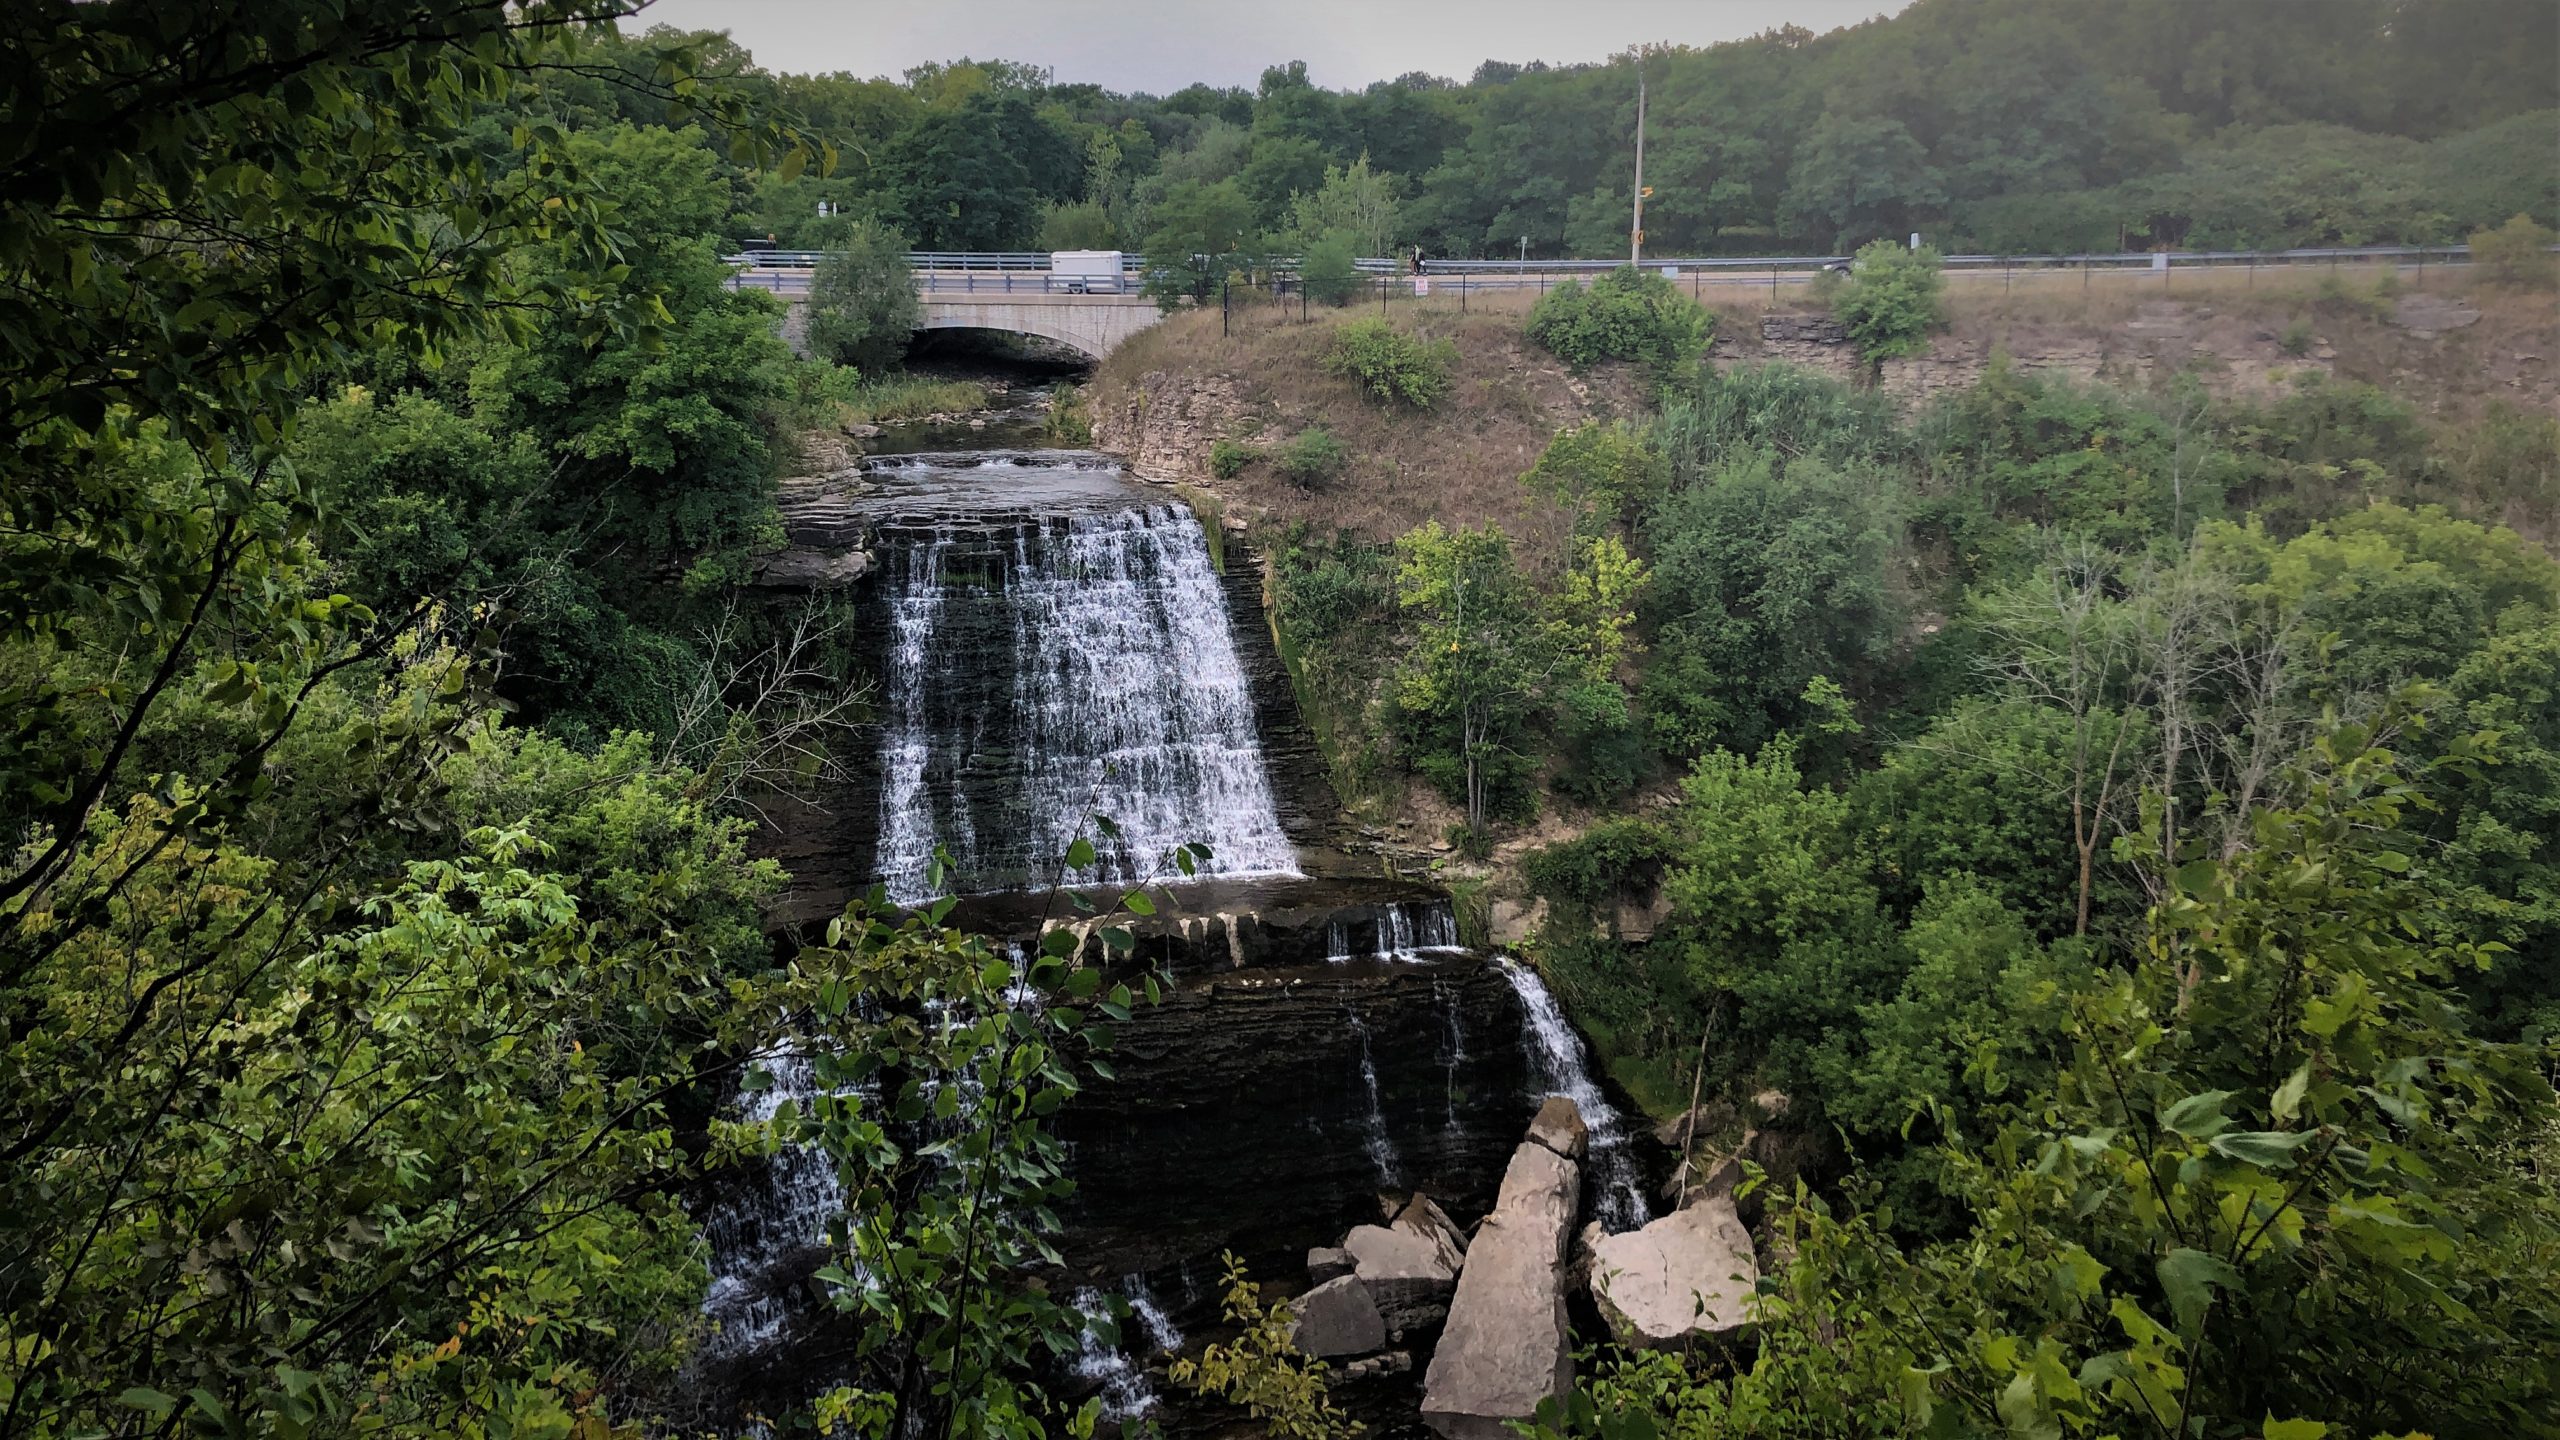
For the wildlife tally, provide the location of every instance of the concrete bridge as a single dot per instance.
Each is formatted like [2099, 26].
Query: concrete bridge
[1016, 302]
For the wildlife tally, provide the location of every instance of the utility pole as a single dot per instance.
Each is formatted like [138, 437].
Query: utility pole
[1635, 231]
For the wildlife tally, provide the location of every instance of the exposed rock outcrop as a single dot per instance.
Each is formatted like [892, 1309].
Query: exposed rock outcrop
[1410, 1270]
[1558, 1126]
[1507, 1345]
[1337, 1318]
[1691, 1272]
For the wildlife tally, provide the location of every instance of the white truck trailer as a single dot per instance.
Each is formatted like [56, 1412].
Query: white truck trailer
[1085, 272]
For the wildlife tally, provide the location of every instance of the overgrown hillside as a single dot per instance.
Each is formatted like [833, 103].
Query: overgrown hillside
[1570, 607]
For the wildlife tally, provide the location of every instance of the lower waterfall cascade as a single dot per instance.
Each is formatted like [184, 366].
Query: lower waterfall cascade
[1564, 1067]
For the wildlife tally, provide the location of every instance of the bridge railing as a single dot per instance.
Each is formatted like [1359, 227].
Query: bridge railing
[789, 272]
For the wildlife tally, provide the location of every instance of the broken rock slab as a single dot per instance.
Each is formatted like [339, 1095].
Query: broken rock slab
[1507, 1345]
[1337, 1318]
[1328, 1262]
[1558, 1126]
[1692, 1272]
[1410, 1273]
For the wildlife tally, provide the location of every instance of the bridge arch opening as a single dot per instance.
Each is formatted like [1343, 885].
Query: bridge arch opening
[1011, 352]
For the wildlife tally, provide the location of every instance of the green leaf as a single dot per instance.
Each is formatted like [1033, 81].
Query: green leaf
[2275, 1429]
[154, 1402]
[2187, 1277]
[2266, 1149]
[2198, 1117]
[1080, 854]
[1137, 903]
[2288, 1097]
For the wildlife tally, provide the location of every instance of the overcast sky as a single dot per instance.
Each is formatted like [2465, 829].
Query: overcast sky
[1163, 45]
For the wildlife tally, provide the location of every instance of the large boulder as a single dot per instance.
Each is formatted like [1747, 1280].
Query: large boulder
[1558, 1126]
[1328, 1262]
[1507, 1346]
[1337, 1318]
[1410, 1272]
[1423, 1216]
[1692, 1272]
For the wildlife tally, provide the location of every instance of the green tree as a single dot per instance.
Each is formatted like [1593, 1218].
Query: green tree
[2517, 253]
[1330, 269]
[1859, 179]
[1204, 235]
[862, 301]
[1890, 303]
[964, 183]
[1762, 581]
[1354, 201]
[1467, 694]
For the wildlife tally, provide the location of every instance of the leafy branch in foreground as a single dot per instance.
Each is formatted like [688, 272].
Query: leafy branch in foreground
[1262, 1370]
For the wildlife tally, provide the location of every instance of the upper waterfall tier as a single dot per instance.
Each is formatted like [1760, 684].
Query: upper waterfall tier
[1043, 670]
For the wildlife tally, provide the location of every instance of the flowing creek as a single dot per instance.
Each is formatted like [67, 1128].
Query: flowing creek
[1051, 640]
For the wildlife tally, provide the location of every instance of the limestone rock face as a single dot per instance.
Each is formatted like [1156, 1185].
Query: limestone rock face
[1558, 1126]
[1689, 1273]
[1410, 1272]
[1337, 1318]
[1507, 1345]
[1423, 1216]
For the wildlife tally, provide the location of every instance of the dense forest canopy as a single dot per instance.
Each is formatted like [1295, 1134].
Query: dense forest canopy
[1993, 125]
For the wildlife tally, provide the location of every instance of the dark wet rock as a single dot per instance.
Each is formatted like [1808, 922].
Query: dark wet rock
[1239, 1117]
[1337, 1318]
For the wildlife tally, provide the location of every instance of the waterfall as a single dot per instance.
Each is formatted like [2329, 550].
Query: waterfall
[1453, 1053]
[1060, 667]
[1564, 1065]
[1127, 1391]
[761, 1241]
[1406, 930]
[1382, 1150]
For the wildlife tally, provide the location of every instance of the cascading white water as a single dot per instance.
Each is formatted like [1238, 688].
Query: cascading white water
[1453, 1053]
[1564, 1065]
[758, 1236]
[908, 829]
[1128, 1393]
[1126, 699]
[1381, 1148]
[1406, 930]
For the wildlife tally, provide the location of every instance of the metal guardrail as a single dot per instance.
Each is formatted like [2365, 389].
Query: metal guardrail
[1135, 263]
[791, 272]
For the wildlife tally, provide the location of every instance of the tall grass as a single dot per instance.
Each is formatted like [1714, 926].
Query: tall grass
[879, 400]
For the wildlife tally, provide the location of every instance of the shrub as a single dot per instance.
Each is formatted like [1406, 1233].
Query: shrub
[1390, 366]
[2297, 337]
[1227, 458]
[1329, 270]
[1891, 301]
[1627, 314]
[2516, 253]
[862, 300]
[1312, 458]
[1067, 423]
